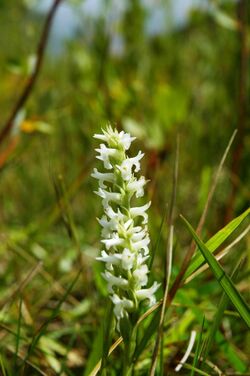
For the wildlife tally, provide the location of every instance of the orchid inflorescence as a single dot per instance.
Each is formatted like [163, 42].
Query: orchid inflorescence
[124, 228]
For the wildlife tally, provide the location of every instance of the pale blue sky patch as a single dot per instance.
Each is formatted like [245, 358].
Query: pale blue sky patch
[162, 16]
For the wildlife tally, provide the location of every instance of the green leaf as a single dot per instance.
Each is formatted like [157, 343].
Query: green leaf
[222, 277]
[213, 243]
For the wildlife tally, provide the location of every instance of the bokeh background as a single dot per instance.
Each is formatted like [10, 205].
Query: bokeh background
[160, 70]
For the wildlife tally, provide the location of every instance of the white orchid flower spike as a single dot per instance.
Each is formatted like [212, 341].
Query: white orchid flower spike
[124, 227]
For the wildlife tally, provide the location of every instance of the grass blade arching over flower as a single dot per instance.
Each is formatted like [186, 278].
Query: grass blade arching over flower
[124, 227]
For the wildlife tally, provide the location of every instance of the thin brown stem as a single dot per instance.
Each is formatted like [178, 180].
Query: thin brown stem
[33, 77]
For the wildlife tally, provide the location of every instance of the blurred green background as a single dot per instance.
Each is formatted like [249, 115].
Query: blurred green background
[157, 69]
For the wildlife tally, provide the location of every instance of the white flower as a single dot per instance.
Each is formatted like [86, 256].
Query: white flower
[110, 259]
[124, 230]
[141, 259]
[139, 235]
[127, 259]
[148, 293]
[108, 177]
[114, 137]
[140, 211]
[136, 186]
[127, 224]
[140, 275]
[108, 196]
[128, 163]
[113, 241]
[101, 137]
[136, 229]
[107, 226]
[114, 281]
[135, 161]
[142, 245]
[121, 306]
[105, 154]
[126, 139]
[117, 216]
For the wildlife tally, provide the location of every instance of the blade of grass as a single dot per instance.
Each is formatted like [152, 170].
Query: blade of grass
[97, 367]
[96, 353]
[161, 370]
[64, 369]
[156, 247]
[107, 335]
[2, 366]
[65, 209]
[159, 337]
[215, 241]
[198, 348]
[197, 370]
[18, 331]
[219, 255]
[214, 368]
[168, 266]
[222, 277]
[217, 319]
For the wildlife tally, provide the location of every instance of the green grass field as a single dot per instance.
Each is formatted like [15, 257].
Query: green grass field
[182, 90]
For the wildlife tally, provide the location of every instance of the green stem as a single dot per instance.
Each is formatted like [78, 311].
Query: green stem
[128, 355]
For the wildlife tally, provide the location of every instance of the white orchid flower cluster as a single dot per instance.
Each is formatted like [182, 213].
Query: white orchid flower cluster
[124, 227]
